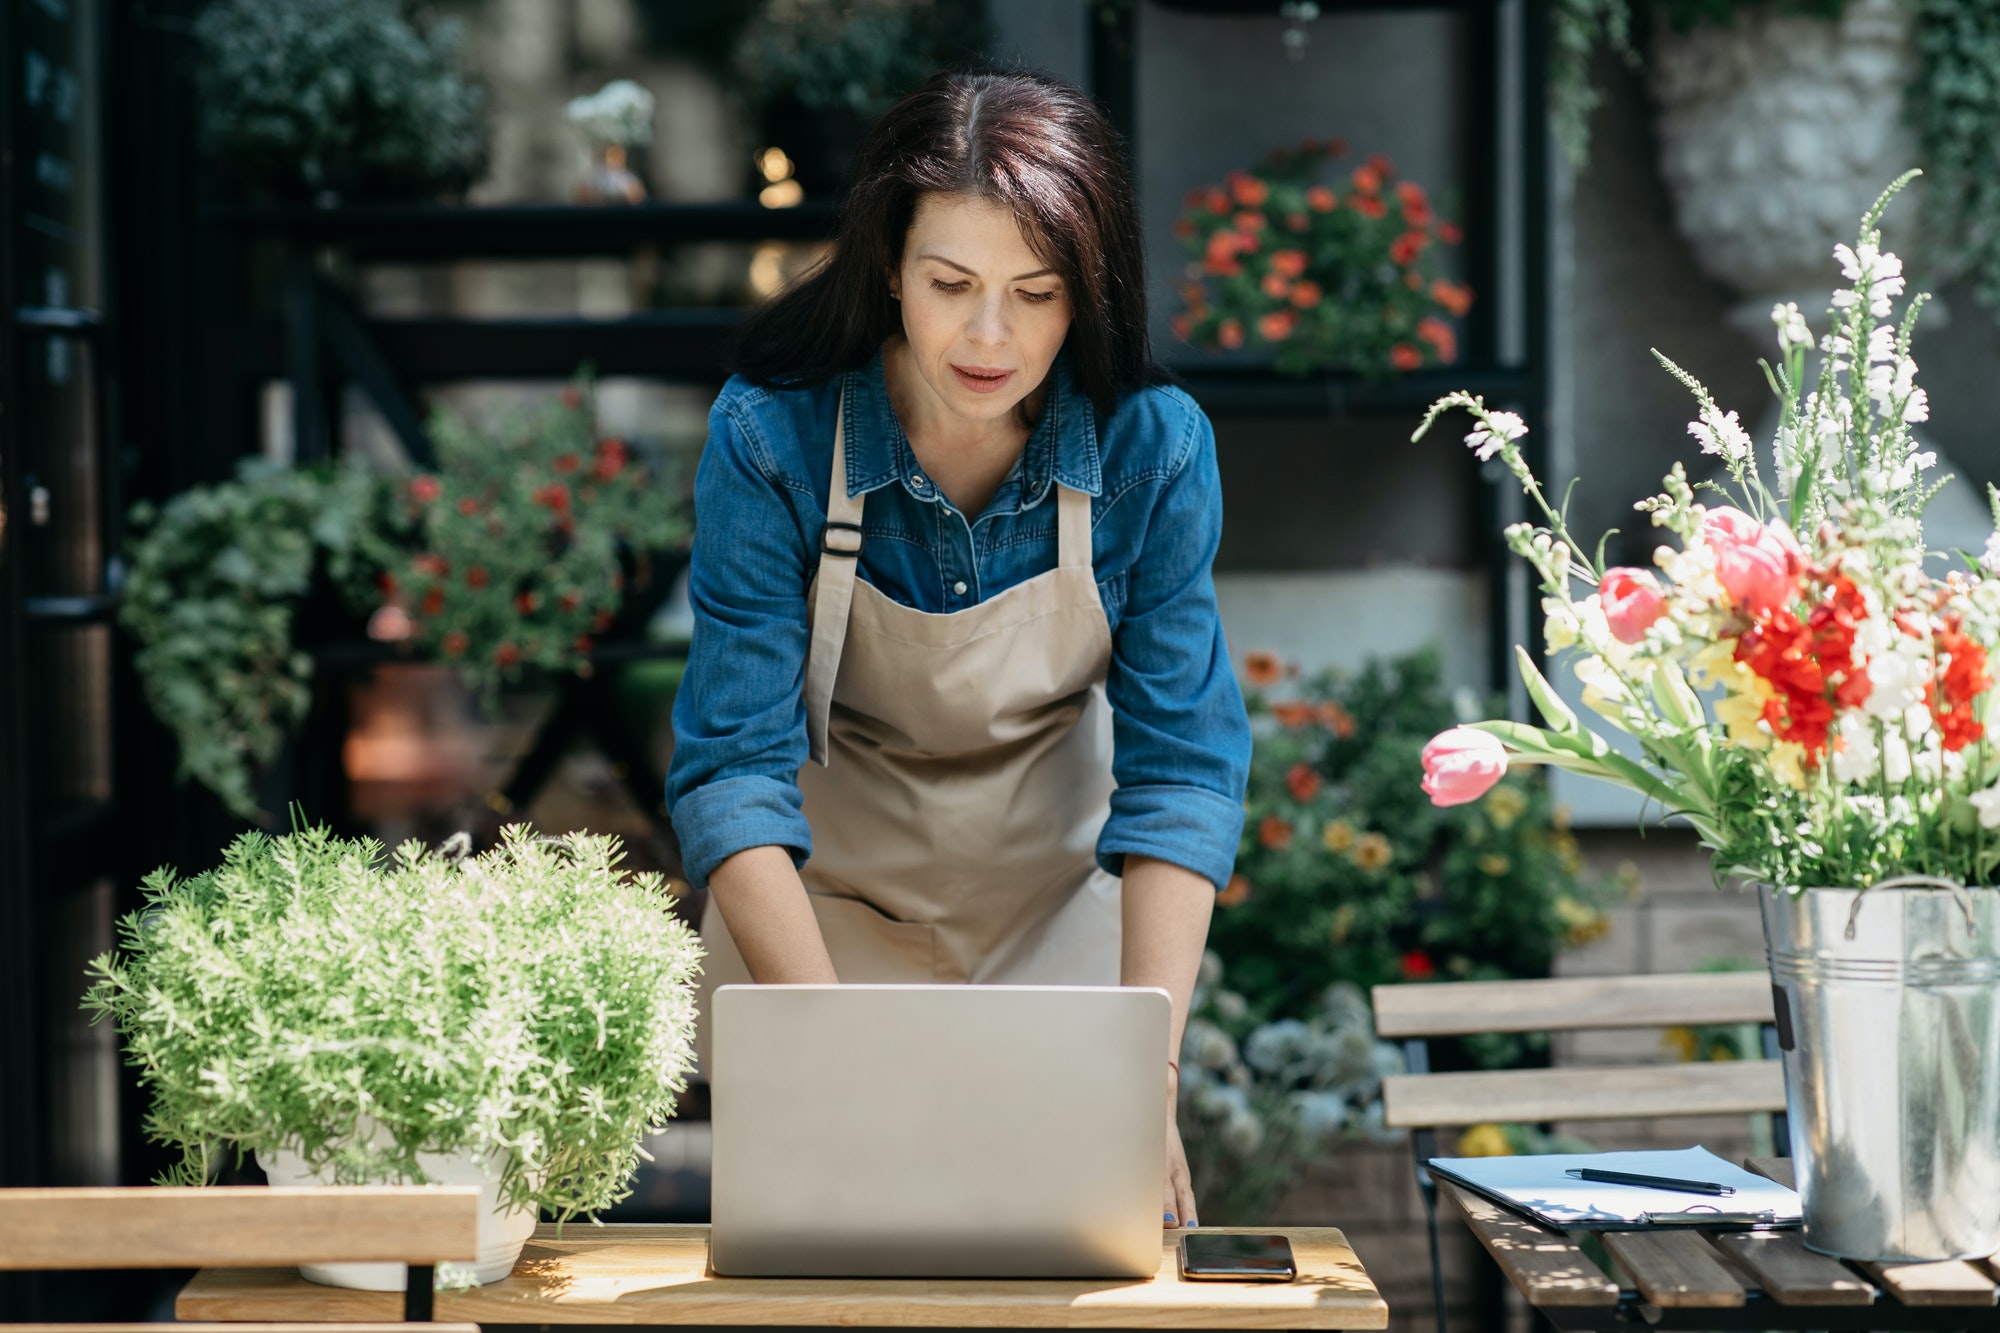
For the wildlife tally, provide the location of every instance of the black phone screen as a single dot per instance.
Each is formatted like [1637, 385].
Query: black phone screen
[1237, 1258]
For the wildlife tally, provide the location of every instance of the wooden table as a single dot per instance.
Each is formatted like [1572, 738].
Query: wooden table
[1743, 1280]
[658, 1276]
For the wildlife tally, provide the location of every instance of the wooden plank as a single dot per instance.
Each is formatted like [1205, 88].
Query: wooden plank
[188, 1228]
[1544, 1266]
[1675, 1269]
[1568, 1004]
[1789, 1273]
[1730, 1087]
[237, 1328]
[1773, 1168]
[1949, 1283]
[659, 1275]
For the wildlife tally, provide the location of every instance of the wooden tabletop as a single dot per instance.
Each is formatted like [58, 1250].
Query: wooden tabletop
[659, 1275]
[1747, 1279]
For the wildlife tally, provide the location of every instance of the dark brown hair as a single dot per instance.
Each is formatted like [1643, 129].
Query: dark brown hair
[1031, 142]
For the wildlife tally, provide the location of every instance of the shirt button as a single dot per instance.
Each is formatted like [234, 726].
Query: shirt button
[919, 483]
[959, 587]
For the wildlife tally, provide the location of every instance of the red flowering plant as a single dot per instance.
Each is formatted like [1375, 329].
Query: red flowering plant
[1341, 276]
[1849, 685]
[1347, 874]
[524, 536]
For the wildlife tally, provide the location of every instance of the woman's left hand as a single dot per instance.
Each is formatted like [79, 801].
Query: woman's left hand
[1177, 1204]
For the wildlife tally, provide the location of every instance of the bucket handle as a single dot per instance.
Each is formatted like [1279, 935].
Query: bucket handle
[1915, 881]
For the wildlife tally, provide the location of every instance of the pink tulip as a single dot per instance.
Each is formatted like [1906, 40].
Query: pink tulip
[1632, 600]
[1462, 765]
[1756, 563]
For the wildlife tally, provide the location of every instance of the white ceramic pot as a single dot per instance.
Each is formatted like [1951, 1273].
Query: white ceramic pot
[501, 1234]
[1776, 133]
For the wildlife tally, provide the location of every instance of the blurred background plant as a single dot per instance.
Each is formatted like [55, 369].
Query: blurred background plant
[1258, 1100]
[1327, 278]
[1347, 873]
[306, 99]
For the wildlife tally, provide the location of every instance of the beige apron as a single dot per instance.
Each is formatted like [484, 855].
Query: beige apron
[962, 774]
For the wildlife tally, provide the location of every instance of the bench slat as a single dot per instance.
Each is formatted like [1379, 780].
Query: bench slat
[1413, 1101]
[1949, 1283]
[178, 1327]
[1675, 1270]
[1543, 1265]
[1571, 1004]
[1791, 1274]
[153, 1227]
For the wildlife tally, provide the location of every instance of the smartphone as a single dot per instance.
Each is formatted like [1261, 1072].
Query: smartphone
[1214, 1256]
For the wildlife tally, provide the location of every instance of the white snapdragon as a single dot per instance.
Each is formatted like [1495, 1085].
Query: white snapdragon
[1989, 559]
[1720, 432]
[1896, 676]
[1905, 474]
[1495, 433]
[1856, 756]
[1895, 757]
[1987, 803]
[1792, 328]
[1560, 630]
[1878, 270]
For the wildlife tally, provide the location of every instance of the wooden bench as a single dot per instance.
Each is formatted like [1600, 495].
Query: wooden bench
[48, 1230]
[1548, 1270]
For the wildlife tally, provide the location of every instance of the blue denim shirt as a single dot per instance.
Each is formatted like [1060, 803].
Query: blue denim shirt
[1181, 737]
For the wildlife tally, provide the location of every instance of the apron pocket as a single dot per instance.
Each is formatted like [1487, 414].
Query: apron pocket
[871, 948]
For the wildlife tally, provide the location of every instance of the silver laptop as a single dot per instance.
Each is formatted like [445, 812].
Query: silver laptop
[938, 1131]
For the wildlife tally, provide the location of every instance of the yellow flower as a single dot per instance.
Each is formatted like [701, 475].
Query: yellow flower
[1581, 922]
[1494, 864]
[1721, 1050]
[1716, 664]
[1787, 760]
[1505, 804]
[1372, 852]
[1343, 922]
[1337, 836]
[1568, 855]
[1681, 1041]
[1560, 629]
[1487, 1140]
[1560, 816]
[1743, 715]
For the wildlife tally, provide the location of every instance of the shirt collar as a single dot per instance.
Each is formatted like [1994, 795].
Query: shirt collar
[1062, 447]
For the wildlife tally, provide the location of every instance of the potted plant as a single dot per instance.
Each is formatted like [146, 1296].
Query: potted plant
[326, 100]
[515, 1020]
[1327, 277]
[1839, 758]
[615, 119]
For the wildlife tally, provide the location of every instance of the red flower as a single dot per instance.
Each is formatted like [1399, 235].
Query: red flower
[1367, 179]
[1230, 334]
[1217, 201]
[1381, 163]
[1416, 965]
[582, 645]
[1274, 833]
[453, 643]
[1249, 191]
[506, 655]
[1336, 719]
[1449, 233]
[387, 583]
[567, 463]
[1302, 781]
[1405, 248]
[601, 621]
[1262, 667]
[528, 602]
[1440, 336]
[1235, 892]
[1276, 326]
[1181, 325]
[467, 505]
[568, 602]
[1292, 715]
[1290, 263]
[1275, 286]
[555, 496]
[425, 489]
[433, 602]
[1368, 206]
[1410, 193]
[1961, 678]
[1183, 228]
[1405, 357]
[1632, 601]
[475, 577]
[434, 565]
[1455, 298]
[1320, 199]
[1249, 223]
[1297, 221]
[572, 396]
[1306, 294]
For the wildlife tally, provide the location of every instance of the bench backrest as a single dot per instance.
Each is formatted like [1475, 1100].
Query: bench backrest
[247, 1227]
[1571, 1004]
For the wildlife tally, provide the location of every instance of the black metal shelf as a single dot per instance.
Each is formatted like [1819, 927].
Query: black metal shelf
[524, 231]
[1260, 392]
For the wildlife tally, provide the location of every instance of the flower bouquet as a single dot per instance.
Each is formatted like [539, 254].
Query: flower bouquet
[1812, 697]
[1329, 279]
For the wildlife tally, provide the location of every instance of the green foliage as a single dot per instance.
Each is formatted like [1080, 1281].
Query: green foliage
[1348, 873]
[219, 573]
[856, 56]
[216, 575]
[521, 536]
[300, 96]
[1955, 103]
[312, 995]
[1328, 279]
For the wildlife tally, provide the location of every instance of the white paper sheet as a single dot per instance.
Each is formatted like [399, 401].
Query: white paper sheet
[1538, 1186]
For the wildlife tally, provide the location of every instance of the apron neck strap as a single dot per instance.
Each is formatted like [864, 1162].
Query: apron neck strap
[833, 596]
[1072, 528]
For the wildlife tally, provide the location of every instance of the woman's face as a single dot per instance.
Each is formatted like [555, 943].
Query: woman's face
[984, 315]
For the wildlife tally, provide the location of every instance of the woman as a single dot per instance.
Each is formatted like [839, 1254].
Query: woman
[953, 546]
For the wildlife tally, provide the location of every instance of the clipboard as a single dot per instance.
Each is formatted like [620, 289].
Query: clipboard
[1540, 1188]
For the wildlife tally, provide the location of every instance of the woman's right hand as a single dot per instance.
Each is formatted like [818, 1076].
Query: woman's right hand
[764, 904]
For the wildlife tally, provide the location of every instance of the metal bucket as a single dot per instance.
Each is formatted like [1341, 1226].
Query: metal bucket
[1888, 1016]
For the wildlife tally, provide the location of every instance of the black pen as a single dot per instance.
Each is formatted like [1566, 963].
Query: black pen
[1591, 1173]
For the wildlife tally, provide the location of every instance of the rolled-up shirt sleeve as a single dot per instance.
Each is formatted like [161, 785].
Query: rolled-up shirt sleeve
[739, 719]
[1181, 735]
